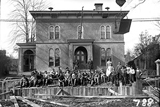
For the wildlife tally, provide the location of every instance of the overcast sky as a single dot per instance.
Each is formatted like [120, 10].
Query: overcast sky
[149, 9]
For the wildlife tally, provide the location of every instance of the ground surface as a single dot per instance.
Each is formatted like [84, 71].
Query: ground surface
[85, 102]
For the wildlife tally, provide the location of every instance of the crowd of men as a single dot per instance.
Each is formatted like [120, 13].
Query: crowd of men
[67, 77]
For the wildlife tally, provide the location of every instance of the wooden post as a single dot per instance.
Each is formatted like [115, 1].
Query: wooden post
[3, 89]
[13, 88]
[158, 67]
[138, 87]
[120, 88]
[134, 88]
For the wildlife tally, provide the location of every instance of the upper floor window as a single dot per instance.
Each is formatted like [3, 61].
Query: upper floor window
[51, 57]
[102, 32]
[105, 32]
[57, 32]
[54, 32]
[80, 32]
[108, 32]
[51, 32]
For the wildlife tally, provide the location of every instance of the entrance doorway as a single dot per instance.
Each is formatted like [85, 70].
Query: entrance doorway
[80, 56]
[28, 61]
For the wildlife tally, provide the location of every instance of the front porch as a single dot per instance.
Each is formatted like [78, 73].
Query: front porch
[80, 52]
[27, 60]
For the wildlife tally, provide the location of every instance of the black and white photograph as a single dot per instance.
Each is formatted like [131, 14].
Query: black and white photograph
[79, 53]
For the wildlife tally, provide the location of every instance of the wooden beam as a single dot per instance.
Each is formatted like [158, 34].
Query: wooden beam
[13, 98]
[151, 95]
[47, 101]
[104, 97]
[28, 102]
[113, 92]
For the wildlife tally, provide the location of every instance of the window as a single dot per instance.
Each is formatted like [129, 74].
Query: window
[51, 32]
[105, 32]
[102, 32]
[54, 32]
[108, 32]
[103, 57]
[28, 60]
[108, 53]
[80, 32]
[51, 57]
[57, 32]
[57, 57]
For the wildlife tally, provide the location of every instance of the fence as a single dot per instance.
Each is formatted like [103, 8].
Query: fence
[7, 87]
[33, 92]
[45, 92]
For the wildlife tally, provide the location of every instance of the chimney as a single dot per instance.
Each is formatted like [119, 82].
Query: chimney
[98, 6]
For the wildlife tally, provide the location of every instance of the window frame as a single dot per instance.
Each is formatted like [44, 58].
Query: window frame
[101, 56]
[50, 57]
[102, 31]
[108, 32]
[59, 57]
[105, 31]
[108, 56]
[50, 32]
[55, 32]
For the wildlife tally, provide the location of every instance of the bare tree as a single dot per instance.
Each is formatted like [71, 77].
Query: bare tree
[139, 3]
[133, 3]
[24, 27]
[148, 49]
[157, 24]
[145, 40]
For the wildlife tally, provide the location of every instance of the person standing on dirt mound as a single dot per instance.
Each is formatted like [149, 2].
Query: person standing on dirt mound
[109, 70]
[118, 71]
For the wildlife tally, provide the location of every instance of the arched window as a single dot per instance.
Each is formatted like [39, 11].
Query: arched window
[102, 32]
[105, 32]
[57, 32]
[108, 32]
[57, 57]
[80, 32]
[51, 57]
[108, 53]
[28, 61]
[103, 57]
[51, 32]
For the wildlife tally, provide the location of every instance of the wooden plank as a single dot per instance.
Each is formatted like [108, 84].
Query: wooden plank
[13, 98]
[47, 101]
[113, 92]
[151, 95]
[28, 102]
[105, 97]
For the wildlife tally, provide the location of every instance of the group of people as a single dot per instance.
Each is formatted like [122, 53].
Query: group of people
[67, 77]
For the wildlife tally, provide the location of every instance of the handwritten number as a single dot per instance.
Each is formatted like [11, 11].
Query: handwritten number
[137, 101]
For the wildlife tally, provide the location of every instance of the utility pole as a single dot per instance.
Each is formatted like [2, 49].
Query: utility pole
[81, 24]
[0, 26]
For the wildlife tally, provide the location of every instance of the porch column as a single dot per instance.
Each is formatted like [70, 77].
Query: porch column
[91, 51]
[71, 56]
[158, 67]
[20, 61]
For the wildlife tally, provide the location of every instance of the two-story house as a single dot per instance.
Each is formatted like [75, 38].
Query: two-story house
[63, 37]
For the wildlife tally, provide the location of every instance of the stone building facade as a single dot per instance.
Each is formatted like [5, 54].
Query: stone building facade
[63, 37]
